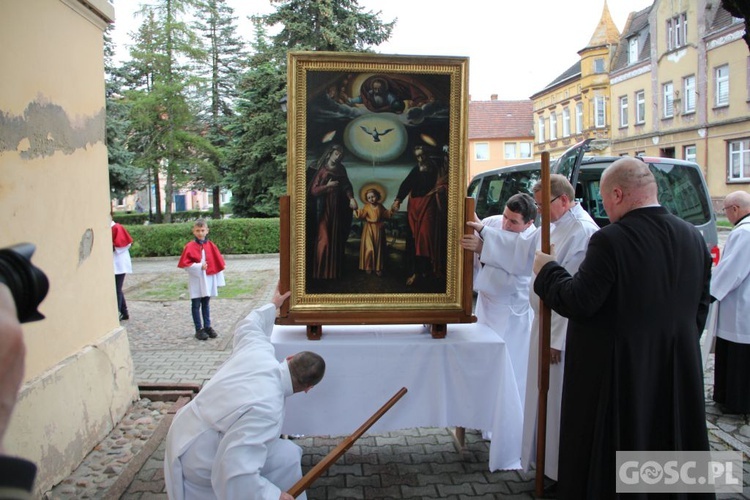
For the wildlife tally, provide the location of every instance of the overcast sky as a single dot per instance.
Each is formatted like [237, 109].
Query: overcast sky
[515, 48]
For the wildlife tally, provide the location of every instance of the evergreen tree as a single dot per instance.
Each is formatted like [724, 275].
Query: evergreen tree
[165, 129]
[220, 72]
[124, 178]
[258, 159]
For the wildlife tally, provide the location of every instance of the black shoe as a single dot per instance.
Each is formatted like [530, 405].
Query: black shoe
[124, 317]
[211, 332]
[201, 334]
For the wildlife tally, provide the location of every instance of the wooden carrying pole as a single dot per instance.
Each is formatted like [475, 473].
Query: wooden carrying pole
[544, 339]
[347, 443]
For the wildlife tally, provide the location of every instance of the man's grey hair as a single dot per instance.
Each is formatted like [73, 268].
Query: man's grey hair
[307, 369]
[558, 185]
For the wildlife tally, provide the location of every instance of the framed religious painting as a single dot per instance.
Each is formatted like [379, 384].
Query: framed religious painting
[376, 201]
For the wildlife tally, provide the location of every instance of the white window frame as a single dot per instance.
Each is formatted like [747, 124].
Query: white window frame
[624, 111]
[633, 50]
[566, 122]
[552, 126]
[739, 157]
[599, 66]
[677, 31]
[721, 86]
[579, 117]
[600, 112]
[690, 153]
[525, 149]
[688, 94]
[481, 151]
[668, 100]
[640, 107]
[510, 151]
[540, 129]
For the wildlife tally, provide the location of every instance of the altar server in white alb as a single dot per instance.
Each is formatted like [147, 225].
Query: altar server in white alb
[570, 231]
[505, 247]
[121, 242]
[225, 443]
[730, 285]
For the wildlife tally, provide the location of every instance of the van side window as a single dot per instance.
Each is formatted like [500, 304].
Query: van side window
[679, 192]
[474, 188]
[493, 193]
[594, 204]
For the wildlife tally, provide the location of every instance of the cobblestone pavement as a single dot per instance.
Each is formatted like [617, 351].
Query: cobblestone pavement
[412, 463]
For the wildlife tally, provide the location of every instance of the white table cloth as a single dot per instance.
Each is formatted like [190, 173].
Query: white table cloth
[463, 380]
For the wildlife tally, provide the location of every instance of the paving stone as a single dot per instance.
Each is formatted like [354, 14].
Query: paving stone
[353, 481]
[499, 487]
[418, 491]
[353, 493]
[464, 488]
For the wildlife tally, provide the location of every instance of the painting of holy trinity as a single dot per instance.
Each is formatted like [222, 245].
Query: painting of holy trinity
[379, 176]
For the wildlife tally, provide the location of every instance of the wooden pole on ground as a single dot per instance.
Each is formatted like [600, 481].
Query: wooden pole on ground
[347, 443]
[544, 338]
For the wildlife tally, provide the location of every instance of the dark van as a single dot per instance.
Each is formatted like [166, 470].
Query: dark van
[682, 188]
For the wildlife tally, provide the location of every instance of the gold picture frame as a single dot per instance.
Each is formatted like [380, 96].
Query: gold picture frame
[376, 199]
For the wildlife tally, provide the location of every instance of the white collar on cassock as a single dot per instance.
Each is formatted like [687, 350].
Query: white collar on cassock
[286, 379]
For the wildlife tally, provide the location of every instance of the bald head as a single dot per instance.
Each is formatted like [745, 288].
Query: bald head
[737, 205]
[625, 185]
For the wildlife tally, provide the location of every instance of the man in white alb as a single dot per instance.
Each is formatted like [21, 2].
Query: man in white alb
[226, 442]
[571, 229]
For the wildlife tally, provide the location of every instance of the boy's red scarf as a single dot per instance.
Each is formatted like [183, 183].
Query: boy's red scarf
[120, 236]
[192, 255]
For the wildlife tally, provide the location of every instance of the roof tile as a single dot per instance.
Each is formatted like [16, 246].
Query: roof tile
[500, 119]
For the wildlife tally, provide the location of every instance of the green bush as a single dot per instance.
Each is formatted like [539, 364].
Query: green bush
[127, 219]
[232, 236]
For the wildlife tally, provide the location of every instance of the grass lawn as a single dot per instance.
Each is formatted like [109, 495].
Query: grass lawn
[169, 287]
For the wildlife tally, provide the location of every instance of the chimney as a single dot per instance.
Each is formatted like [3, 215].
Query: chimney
[493, 97]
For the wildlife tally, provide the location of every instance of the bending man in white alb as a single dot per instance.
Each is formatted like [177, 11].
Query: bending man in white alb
[226, 442]
[505, 247]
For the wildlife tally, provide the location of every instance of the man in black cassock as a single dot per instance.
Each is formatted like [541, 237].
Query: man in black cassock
[637, 307]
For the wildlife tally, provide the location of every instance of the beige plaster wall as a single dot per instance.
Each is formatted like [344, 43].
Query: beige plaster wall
[54, 192]
[497, 155]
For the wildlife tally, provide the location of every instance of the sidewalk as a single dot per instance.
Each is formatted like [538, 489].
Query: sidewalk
[412, 463]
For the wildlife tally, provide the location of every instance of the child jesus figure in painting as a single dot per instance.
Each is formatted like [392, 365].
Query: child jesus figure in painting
[373, 242]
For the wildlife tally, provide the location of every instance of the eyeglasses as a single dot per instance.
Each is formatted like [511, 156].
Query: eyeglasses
[730, 206]
[550, 201]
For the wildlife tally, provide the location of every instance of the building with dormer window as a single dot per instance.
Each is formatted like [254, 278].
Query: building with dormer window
[576, 105]
[687, 94]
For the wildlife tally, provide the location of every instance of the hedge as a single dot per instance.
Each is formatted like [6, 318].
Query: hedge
[128, 218]
[232, 236]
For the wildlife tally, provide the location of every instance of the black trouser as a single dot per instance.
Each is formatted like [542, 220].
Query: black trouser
[122, 306]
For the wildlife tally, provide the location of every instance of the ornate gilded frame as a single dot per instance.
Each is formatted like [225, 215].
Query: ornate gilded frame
[428, 96]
